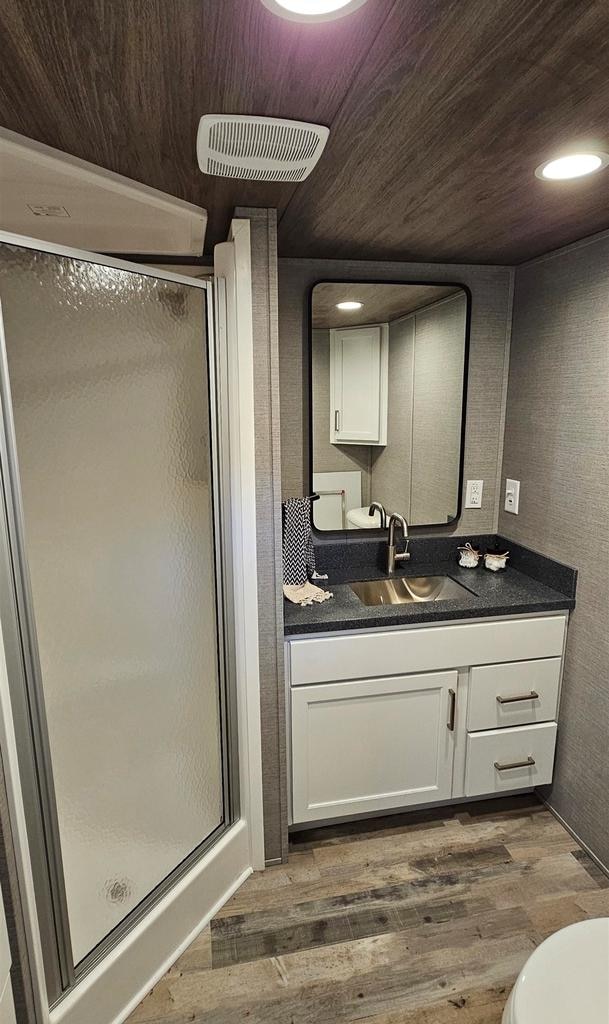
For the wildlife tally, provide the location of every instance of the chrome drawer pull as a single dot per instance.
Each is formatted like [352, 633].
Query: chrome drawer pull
[533, 695]
[453, 710]
[516, 764]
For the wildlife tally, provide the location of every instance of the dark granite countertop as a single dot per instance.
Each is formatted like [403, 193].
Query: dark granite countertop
[531, 583]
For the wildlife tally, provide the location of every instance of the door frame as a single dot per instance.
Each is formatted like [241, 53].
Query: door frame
[113, 986]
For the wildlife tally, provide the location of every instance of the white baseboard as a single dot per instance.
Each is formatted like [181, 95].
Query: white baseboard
[113, 989]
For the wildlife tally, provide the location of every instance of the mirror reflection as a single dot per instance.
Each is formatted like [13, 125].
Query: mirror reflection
[388, 364]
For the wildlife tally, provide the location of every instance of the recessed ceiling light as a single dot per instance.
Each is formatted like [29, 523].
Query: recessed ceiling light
[349, 305]
[312, 10]
[573, 165]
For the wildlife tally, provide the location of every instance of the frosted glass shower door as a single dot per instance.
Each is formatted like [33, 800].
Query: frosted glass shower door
[109, 387]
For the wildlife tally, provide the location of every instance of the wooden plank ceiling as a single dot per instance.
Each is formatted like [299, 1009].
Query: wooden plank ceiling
[439, 112]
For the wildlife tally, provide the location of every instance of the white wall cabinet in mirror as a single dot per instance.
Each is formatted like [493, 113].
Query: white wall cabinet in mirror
[358, 385]
[388, 366]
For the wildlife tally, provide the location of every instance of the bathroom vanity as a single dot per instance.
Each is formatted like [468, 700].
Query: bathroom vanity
[420, 682]
[402, 705]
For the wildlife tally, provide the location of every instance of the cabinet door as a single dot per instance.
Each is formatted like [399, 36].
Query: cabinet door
[358, 385]
[371, 745]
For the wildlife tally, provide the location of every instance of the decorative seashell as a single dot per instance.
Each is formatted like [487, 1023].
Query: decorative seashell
[495, 561]
[468, 556]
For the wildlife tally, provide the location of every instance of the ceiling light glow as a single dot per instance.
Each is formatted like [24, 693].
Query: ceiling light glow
[573, 165]
[349, 304]
[312, 10]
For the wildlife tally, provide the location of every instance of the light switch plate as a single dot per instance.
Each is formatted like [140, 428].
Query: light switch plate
[473, 494]
[512, 496]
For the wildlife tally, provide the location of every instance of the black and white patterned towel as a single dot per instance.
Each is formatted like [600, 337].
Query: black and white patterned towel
[299, 553]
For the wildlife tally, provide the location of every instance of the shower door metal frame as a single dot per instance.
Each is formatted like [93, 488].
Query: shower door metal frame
[23, 665]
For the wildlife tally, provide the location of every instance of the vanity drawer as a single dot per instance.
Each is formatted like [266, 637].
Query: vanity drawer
[517, 693]
[432, 648]
[501, 760]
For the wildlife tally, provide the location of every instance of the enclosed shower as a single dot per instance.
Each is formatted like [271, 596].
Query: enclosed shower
[114, 598]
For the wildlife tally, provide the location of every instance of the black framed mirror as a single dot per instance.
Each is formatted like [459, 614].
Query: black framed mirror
[388, 368]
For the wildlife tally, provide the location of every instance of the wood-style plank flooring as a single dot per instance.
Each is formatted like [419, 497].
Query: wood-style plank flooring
[422, 918]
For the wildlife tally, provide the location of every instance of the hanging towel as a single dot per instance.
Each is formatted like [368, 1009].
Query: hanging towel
[299, 554]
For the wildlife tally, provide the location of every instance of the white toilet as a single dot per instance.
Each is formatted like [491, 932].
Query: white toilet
[566, 979]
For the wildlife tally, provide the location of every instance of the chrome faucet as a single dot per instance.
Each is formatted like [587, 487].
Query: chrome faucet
[377, 507]
[395, 519]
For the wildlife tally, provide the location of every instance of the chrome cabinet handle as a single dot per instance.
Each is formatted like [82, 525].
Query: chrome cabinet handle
[337, 420]
[452, 696]
[533, 695]
[515, 764]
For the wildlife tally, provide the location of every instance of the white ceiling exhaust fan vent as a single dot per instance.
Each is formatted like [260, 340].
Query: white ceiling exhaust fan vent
[259, 148]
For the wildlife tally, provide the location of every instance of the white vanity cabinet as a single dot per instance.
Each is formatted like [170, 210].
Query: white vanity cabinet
[399, 717]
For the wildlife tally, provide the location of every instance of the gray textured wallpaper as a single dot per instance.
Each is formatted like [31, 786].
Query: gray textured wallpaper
[436, 417]
[491, 289]
[557, 445]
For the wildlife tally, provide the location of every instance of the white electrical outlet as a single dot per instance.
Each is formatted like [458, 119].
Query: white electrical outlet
[473, 494]
[512, 496]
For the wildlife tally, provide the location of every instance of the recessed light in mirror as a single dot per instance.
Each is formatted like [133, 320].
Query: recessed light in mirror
[572, 165]
[312, 10]
[349, 305]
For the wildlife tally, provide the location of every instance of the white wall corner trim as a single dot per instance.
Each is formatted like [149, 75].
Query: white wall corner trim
[233, 262]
